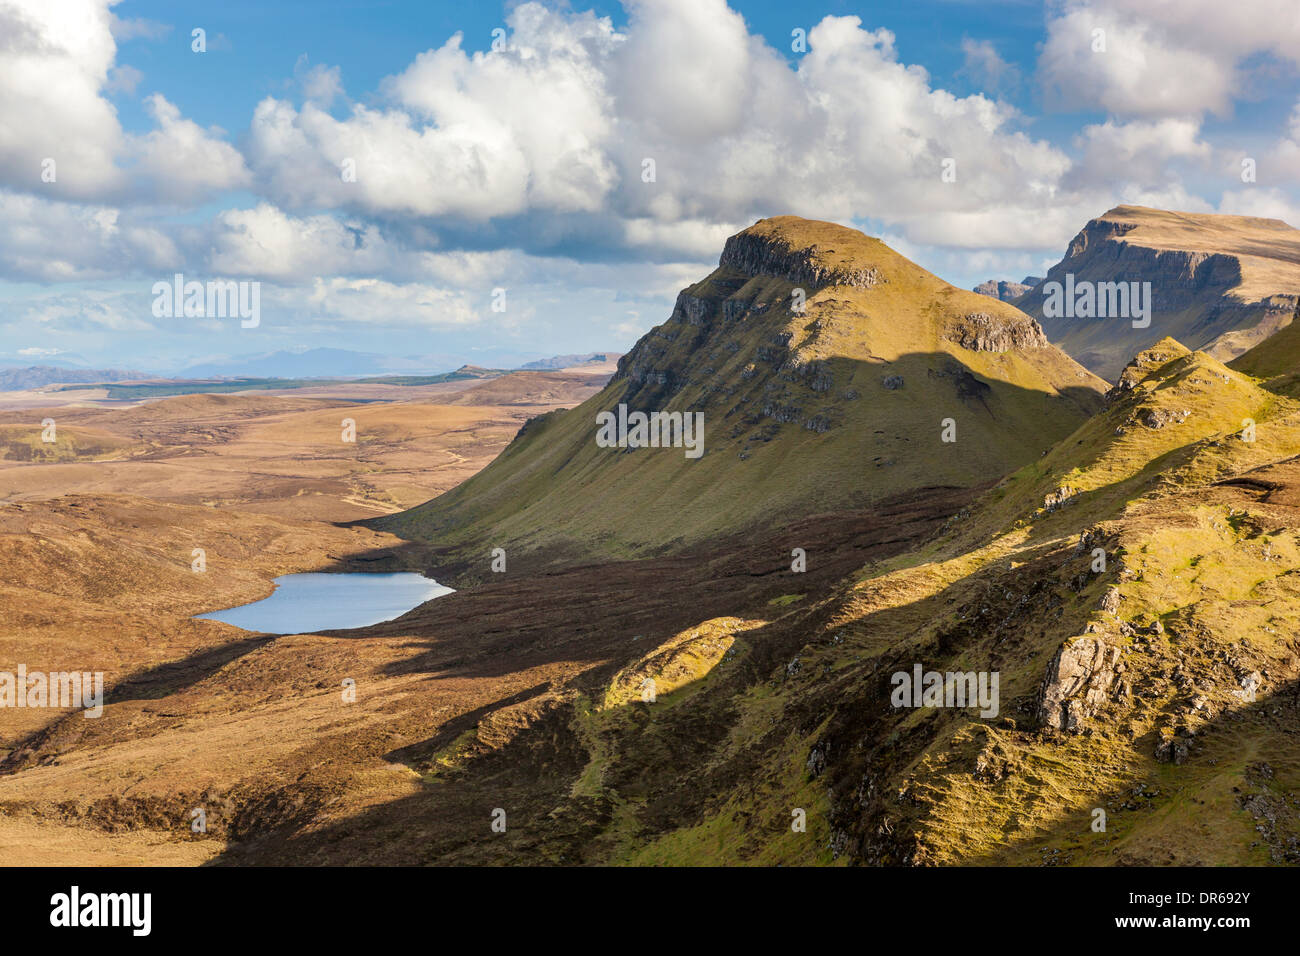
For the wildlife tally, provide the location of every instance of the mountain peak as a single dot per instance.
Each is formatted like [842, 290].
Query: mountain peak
[805, 252]
[822, 366]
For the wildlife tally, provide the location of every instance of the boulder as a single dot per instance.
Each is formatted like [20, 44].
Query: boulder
[1078, 681]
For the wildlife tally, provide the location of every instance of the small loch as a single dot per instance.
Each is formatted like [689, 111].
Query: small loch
[302, 603]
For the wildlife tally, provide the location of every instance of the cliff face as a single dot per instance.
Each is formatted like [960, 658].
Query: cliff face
[824, 365]
[766, 253]
[1217, 283]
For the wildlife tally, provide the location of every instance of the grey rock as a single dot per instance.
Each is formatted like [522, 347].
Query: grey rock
[1078, 681]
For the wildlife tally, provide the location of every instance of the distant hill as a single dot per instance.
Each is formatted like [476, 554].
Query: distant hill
[35, 376]
[1007, 291]
[136, 391]
[1221, 284]
[806, 411]
[567, 361]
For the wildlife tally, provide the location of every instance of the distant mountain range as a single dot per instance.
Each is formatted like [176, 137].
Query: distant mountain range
[342, 363]
[310, 364]
[18, 379]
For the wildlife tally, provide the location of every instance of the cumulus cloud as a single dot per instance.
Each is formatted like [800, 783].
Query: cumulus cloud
[577, 123]
[48, 241]
[130, 28]
[1266, 203]
[54, 61]
[1137, 58]
[86, 311]
[474, 136]
[562, 162]
[376, 300]
[1283, 161]
[1139, 151]
[182, 160]
[60, 135]
[985, 66]
[320, 84]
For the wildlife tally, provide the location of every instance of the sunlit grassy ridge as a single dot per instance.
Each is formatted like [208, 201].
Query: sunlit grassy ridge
[1205, 595]
[1186, 755]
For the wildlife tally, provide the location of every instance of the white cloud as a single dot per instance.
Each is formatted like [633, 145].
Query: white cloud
[1283, 160]
[123, 79]
[57, 60]
[54, 60]
[49, 241]
[523, 167]
[1139, 151]
[559, 125]
[1262, 202]
[476, 136]
[130, 28]
[86, 311]
[985, 66]
[376, 300]
[182, 160]
[1181, 58]
[321, 84]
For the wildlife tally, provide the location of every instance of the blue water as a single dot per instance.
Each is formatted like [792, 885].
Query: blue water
[303, 603]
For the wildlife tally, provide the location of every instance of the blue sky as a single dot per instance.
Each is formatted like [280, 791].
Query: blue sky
[521, 168]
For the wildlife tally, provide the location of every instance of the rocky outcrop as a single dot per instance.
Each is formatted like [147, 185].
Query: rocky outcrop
[1143, 364]
[1078, 681]
[982, 332]
[768, 255]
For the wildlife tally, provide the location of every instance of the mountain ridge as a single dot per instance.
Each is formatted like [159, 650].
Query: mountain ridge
[1220, 283]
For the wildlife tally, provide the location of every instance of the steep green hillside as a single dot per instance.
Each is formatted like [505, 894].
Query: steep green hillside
[1277, 355]
[1158, 688]
[831, 407]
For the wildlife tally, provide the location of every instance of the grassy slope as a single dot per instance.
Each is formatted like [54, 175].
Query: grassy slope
[554, 488]
[1003, 589]
[1277, 355]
